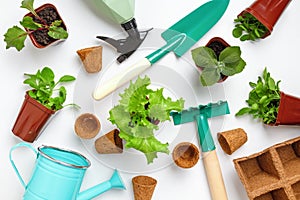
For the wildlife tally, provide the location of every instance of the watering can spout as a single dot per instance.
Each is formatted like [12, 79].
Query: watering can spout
[115, 182]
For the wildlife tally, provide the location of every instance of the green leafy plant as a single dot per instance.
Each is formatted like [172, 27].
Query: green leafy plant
[138, 114]
[264, 98]
[228, 63]
[247, 27]
[16, 36]
[45, 90]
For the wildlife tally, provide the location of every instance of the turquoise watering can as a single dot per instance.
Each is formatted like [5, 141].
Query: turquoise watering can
[58, 175]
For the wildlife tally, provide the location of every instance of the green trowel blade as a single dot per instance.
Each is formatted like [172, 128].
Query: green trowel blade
[196, 24]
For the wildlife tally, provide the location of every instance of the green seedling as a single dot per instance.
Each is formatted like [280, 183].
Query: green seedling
[264, 98]
[45, 90]
[138, 114]
[247, 27]
[16, 36]
[228, 63]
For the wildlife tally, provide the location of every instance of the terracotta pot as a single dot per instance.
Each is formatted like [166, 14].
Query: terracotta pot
[289, 110]
[31, 36]
[224, 44]
[31, 119]
[267, 12]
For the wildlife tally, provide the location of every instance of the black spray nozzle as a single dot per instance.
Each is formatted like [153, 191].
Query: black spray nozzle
[130, 44]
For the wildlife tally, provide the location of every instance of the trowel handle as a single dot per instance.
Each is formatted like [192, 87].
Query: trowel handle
[121, 78]
[214, 175]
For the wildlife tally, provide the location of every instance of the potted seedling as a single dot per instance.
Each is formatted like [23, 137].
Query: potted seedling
[217, 60]
[43, 100]
[43, 25]
[258, 20]
[268, 103]
[138, 114]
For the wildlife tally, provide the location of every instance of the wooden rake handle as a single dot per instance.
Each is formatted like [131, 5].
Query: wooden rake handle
[214, 175]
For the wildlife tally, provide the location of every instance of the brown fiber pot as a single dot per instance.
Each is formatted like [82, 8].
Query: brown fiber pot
[31, 119]
[224, 44]
[32, 38]
[267, 12]
[289, 110]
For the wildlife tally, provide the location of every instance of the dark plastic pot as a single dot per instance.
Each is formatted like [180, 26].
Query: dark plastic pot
[289, 110]
[31, 119]
[267, 12]
[31, 36]
[222, 44]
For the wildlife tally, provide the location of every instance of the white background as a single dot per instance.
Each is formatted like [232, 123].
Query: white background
[279, 53]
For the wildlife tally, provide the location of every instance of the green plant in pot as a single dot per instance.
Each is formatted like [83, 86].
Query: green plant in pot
[258, 20]
[138, 114]
[43, 25]
[217, 60]
[45, 98]
[247, 27]
[267, 103]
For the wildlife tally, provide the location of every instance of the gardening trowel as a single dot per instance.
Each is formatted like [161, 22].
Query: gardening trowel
[180, 38]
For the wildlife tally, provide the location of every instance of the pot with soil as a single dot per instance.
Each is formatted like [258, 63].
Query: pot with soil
[48, 14]
[272, 106]
[217, 60]
[40, 103]
[43, 25]
[258, 20]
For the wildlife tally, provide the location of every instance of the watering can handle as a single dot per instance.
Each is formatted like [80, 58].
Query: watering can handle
[22, 144]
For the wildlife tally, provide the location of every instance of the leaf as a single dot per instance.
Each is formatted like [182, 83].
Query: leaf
[15, 37]
[158, 112]
[271, 84]
[234, 68]
[161, 107]
[128, 92]
[245, 37]
[252, 84]
[56, 23]
[66, 78]
[32, 93]
[28, 4]
[230, 55]
[204, 57]
[62, 94]
[209, 76]
[149, 145]
[266, 74]
[47, 74]
[28, 23]
[237, 32]
[31, 82]
[57, 32]
[243, 111]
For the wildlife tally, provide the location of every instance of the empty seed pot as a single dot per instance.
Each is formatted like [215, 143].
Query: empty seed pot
[109, 143]
[231, 140]
[185, 155]
[87, 126]
[143, 187]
